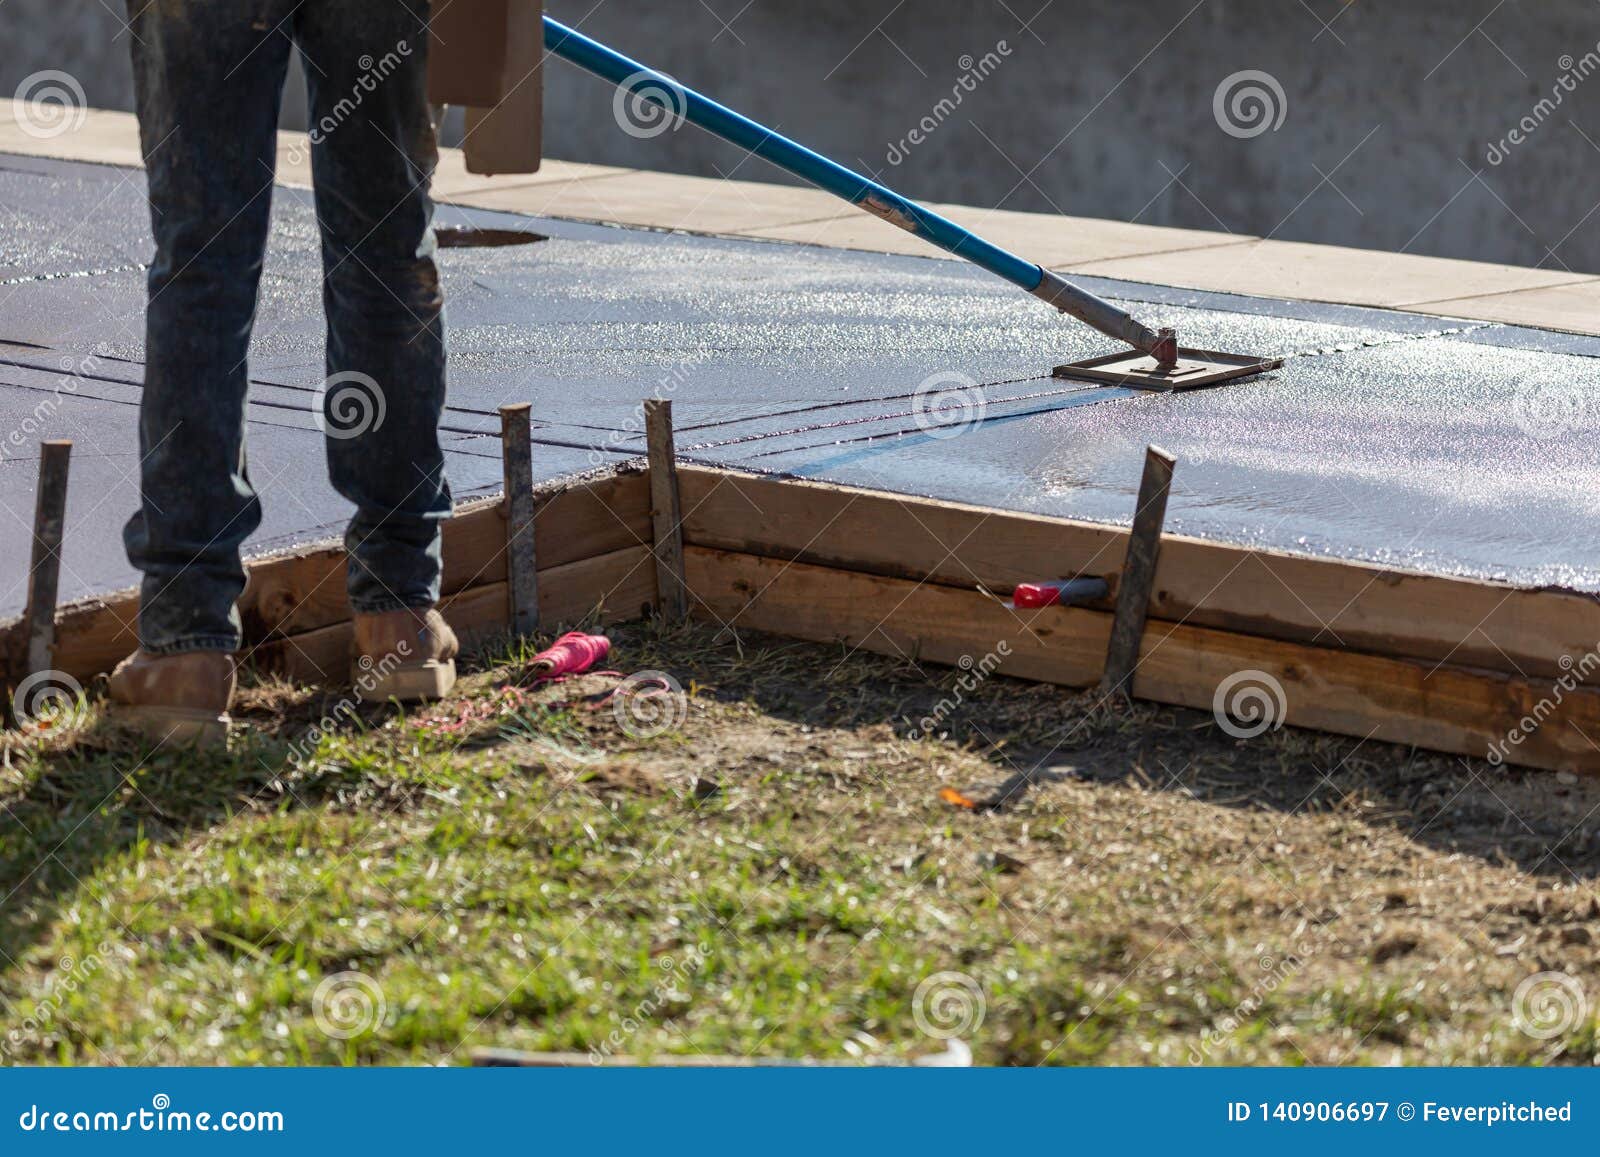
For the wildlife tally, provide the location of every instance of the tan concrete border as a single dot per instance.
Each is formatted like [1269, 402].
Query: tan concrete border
[1553, 299]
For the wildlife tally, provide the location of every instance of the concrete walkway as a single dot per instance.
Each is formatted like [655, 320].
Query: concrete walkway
[1223, 262]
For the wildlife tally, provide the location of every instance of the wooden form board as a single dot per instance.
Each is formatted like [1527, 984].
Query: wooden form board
[1447, 664]
[1327, 603]
[300, 594]
[1401, 701]
[610, 588]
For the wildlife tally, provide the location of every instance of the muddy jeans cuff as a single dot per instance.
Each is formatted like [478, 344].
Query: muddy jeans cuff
[224, 643]
[384, 606]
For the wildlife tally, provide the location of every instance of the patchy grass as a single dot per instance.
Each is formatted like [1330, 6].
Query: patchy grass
[775, 874]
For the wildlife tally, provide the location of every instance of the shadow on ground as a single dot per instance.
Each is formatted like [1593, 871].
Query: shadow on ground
[796, 782]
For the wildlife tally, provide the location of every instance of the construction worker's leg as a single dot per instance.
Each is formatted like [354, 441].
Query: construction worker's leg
[373, 154]
[208, 79]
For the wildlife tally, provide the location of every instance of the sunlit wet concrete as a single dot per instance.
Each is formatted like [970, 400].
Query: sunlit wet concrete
[1459, 447]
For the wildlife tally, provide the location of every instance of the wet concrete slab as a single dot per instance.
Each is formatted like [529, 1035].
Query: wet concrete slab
[1407, 455]
[1393, 437]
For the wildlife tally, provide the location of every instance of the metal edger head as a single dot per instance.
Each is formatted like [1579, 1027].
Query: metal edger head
[1156, 361]
[1168, 366]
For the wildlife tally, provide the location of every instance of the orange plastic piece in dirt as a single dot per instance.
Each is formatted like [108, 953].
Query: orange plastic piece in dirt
[952, 796]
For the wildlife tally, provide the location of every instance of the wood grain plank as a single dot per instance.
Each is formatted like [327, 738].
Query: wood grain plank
[614, 587]
[1442, 708]
[295, 593]
[582, 521]
[1326, 602]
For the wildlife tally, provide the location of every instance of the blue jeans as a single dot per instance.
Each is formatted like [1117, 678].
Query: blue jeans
[209, 77]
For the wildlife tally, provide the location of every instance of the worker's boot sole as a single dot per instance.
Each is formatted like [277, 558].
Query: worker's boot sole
[179, 726]
[412, 683]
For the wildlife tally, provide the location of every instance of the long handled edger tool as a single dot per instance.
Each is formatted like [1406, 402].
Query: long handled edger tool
[1156, 362]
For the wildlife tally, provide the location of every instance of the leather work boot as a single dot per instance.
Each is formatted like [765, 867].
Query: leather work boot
[181, 698]
[409, 655]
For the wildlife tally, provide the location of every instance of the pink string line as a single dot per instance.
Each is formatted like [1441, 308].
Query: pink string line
[571, 654]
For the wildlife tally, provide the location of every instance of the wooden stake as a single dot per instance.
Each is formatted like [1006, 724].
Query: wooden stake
[666, 509]
[1138, 573]
[522, 575]
[44, 573]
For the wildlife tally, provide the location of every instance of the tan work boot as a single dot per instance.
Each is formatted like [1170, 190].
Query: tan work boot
[181, 699]
[407, 655]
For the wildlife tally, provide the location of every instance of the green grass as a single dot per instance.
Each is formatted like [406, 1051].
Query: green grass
[776, 876]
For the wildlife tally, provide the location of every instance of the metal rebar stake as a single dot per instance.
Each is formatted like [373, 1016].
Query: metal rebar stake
[44, 572]
[1138, 573]
[522, 573]
[666, 510]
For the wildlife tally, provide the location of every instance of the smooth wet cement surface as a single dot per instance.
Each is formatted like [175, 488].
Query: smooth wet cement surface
[1459, 447]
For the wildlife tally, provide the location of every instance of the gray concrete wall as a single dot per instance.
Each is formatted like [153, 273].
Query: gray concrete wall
[1103, 107]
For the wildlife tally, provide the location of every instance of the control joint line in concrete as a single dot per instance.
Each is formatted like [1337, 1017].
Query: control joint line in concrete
[33, 277]
[1394, 339]
[254, 401]
[796, 431]
[843, 402]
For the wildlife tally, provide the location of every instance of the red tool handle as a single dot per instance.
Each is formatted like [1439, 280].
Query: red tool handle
[1063, 592]
[1031, 595]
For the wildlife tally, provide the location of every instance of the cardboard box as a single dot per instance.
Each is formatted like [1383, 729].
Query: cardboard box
[487, 55]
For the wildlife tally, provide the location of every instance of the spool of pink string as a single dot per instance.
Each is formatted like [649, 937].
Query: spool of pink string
[571, 654]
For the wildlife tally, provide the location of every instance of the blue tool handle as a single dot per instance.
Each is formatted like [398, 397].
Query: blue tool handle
[647, 84]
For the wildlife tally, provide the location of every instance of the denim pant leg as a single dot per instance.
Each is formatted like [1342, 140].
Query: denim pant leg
[373, 156]
[208, 79]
